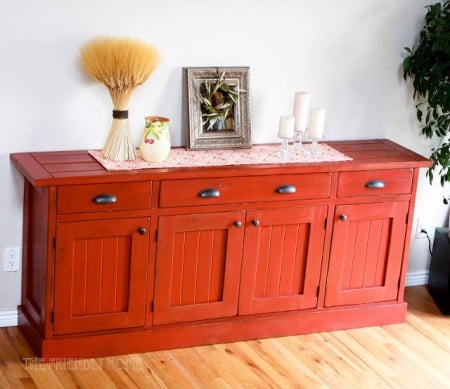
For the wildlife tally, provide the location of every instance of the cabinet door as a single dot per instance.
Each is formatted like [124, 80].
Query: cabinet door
[366, 253]
[100, 273]
[282, 259]
[198, 266]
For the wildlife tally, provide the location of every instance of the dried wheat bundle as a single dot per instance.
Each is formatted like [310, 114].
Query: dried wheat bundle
[121, 65]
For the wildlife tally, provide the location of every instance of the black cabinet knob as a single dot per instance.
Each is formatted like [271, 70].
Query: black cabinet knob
[255, 222]
[343, 217]
[238, 223]
[142, 230]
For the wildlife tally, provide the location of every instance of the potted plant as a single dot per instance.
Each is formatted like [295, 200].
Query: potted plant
[217, 101]
[428, 66]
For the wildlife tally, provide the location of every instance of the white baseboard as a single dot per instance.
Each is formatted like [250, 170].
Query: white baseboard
[417, 278]
[8, 318]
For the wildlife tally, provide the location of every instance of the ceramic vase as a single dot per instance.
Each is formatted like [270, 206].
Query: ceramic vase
[155, 141]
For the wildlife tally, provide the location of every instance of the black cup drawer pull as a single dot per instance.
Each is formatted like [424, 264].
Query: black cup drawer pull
[375, 184]
[208, 193]
[104, 199]
[286, 189]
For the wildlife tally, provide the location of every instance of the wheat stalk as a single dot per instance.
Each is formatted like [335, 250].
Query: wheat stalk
[121, 65]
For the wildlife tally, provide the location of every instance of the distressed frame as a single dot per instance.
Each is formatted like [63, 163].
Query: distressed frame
[197, 137]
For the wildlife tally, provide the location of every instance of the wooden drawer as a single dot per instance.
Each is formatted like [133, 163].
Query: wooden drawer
[204, 191]
[103, 197]
[375, 182]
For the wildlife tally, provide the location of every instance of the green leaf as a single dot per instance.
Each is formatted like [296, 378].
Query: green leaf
[419, 115]
[428, 67]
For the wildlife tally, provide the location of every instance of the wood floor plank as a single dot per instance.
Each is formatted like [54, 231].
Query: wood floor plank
[201, 363]
[171, 372]
[233, 370]
[431, 328]
[414, 354]
[420, 351]
[267, 362]
[130, 372]
[344, 367]
[264, 360]
[285, 360]
[327, 365]
[393, 359]
[87, 373]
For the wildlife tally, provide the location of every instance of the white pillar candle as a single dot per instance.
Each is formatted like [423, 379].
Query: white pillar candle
[317, 123]
[301, 106]
[286, 128]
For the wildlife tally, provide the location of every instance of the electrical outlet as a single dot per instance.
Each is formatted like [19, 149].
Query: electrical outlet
[11, 258]
[420, 227]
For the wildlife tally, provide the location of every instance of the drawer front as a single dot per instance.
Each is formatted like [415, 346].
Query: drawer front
[375, 182]
[103, 197]
[199, 191]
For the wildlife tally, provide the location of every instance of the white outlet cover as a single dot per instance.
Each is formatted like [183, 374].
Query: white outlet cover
[11, 259]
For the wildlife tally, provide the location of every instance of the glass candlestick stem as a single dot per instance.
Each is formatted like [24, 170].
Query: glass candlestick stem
[297, 141]
[315, 147]
[284, 151]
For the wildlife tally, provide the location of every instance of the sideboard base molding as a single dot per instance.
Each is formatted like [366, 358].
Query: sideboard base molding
[202, 333]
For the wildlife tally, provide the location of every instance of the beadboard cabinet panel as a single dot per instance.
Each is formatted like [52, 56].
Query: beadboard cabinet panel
[100, 275]
[282, 259]
[366, 253]
[198, 266]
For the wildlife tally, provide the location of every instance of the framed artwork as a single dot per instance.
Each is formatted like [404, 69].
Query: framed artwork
[216, 108]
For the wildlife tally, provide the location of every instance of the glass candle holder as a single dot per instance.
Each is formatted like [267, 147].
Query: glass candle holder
[297, 141]
[284, 149]
[315, 129]
[315, 147]
[285, 132]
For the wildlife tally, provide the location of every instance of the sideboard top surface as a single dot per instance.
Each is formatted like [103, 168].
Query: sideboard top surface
[78, 167]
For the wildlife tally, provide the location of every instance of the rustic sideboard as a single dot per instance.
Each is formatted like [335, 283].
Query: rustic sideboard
[119, 262]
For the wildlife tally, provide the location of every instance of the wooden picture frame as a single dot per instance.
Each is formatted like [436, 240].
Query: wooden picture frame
[223, 120]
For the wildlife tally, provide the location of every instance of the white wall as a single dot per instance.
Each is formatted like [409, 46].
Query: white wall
[346, 53]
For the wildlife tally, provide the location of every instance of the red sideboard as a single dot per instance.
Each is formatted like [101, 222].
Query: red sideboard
[133, 261]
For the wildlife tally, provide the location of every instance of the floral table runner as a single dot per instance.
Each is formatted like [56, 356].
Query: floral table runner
[258, 154]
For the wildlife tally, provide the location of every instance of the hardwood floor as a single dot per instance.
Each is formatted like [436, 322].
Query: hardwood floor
[415, 354]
